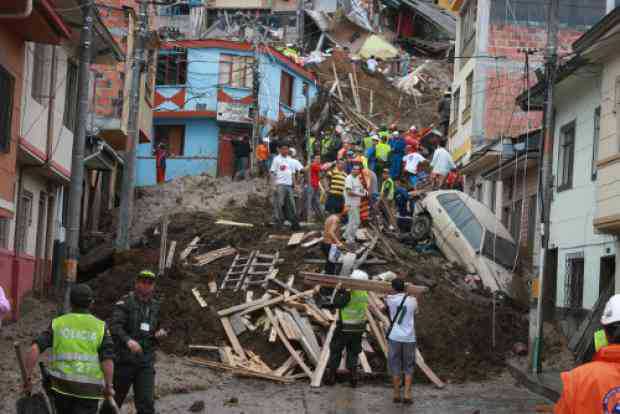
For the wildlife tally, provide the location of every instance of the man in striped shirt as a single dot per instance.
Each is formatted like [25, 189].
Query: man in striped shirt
[335, 197]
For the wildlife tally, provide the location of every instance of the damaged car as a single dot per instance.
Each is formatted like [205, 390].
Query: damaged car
[467, 232]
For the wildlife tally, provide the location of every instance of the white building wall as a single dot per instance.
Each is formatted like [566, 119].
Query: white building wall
[34, 184]
[63, 137]
[572, 210]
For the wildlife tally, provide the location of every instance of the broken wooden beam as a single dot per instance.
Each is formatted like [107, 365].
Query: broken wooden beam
[239, 371]
[314, 279]
[419, 360]
[214, 255]
[245, 308]
[317, 378]
[232, 338]
[170, 257]
[295, 239]
[233, 223]
[312, 242]
[191, 246]
[199, 298]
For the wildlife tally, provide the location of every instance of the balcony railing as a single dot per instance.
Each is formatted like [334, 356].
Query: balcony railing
[177, 23]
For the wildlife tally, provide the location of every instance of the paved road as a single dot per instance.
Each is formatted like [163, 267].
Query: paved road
[501, 396]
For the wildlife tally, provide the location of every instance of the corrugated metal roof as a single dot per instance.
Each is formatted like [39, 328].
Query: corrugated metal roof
[431, 12]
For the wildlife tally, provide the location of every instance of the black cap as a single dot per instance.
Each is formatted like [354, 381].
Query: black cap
[81, 295]
[398, 285]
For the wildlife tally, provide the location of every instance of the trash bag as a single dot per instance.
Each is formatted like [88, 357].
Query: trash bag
[34, 404]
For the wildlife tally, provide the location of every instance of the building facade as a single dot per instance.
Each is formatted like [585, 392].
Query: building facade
[204, 97]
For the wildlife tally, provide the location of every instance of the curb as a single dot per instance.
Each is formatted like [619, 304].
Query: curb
[532, 383]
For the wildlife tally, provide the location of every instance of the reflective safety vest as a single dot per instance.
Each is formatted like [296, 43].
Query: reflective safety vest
[383, 151]
[367, 142]
[383, 134]
[326, 145]
[353, 316]
[600, 340]
[74, 361]
[311, 143]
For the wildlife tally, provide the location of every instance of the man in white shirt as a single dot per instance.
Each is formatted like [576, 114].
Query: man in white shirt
[283, 172]
[401, 339]
[372, 64]
[353, 193]
[412, 160]
[442, 164]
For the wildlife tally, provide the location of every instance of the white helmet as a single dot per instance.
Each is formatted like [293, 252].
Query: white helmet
[293, 152]
[359, 275]
[612, 310]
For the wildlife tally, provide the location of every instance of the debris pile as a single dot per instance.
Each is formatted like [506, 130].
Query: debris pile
[277, 332]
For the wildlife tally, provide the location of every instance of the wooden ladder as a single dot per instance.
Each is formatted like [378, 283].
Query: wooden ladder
[237, 271]
[261, 269]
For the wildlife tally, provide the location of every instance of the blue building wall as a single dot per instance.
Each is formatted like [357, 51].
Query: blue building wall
[202, 134]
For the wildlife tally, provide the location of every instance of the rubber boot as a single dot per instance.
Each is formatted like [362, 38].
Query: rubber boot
[353, 380]
[330, 378]
[407, 398]
[396, 384]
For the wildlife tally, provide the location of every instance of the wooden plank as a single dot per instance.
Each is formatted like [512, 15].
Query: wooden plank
[289, 283]
[317, 378]
[232, 338]
[367, 347]
[248, 324]
[287, 344]
[272, 334]
[214, 255]
[203, 348]
[314, 279]
[248, 296]
[170, 257]
[309, 302]
[296, 334]
[362, 259]
[239, 371]
[199, 298]
[372, 261]
[295, 239]
[311, 234]
[419, 360]
[378, 333]
[364, 361]
[337, 81]
[237, 324]
[226, 356]
[377, 307]
[312, 242]
[307, 331]
[233, 223]
[212, 287]
[245, 308]
[278, 237]
[191, 246]
[288, 364]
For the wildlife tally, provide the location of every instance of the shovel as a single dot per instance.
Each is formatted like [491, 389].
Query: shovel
[28, 404]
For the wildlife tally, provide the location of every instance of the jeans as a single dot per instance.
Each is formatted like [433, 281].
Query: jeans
[334, 203]
[73, 405]
[313, 202]
[353, 224]
[352, 341]
[241, 167]
[285, 205]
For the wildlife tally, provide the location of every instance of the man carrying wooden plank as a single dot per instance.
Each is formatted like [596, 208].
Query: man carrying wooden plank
[350, 327]
[401, 339]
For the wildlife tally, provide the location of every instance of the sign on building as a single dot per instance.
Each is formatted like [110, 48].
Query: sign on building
[233, 112]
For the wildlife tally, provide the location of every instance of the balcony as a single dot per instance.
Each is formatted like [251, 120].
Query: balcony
[176, 26]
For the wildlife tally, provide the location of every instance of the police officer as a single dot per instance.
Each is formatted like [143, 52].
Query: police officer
[135, 329]
[350, 327]
[81, 360]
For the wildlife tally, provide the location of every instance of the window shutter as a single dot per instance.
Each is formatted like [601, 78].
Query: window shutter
[6, 109]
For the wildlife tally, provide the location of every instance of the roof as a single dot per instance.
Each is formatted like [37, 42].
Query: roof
[241, 46]
[599, 29]
[431, 12]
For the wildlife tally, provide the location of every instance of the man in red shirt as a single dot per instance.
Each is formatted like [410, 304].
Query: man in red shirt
[160, 163]
[313, 200]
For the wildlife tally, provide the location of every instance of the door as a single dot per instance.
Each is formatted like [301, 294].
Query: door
[607, 274]
[225, 157]
[550, 284]
[41, 231]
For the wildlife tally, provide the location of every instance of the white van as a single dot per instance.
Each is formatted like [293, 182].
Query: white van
[469, 233]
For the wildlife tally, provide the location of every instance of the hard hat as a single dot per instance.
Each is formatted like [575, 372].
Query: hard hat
[293, 152]
[359, 275]
[375, 138]
[395, 133]
[146, 274]
[81, 295]
[611, 314]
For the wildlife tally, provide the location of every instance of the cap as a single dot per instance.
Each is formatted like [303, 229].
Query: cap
[398, 285]
[146, 274]
[81, 295]
[359, 275]
[611, 314]
[395, 133]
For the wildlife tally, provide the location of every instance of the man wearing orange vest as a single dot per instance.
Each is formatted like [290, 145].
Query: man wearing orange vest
[595, 387]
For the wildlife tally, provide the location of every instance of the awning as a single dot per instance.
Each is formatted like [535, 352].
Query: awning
[43, 25]
[102, 158]
[378, 47]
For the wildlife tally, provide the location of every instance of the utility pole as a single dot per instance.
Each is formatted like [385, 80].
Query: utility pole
[74, 213]
[546, 173]
[256, 121]
[133, 130]
[300, 24]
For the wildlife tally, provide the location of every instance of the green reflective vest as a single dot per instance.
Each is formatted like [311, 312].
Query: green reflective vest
[326, 145]
[367, 143]
[311, 150]
[74, 360]
[383, 151]
[353, 316]
[383, 134]
[600, 340]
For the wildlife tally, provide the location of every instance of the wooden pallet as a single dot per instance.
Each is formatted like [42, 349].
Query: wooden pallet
[261, 269]
[236, 273]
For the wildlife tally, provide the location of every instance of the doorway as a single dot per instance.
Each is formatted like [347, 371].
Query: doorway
[607, 274]
[550, 284]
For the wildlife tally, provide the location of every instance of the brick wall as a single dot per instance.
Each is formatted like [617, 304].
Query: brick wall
[505, 76]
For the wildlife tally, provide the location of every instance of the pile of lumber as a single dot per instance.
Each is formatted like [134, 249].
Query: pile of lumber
[289, 316]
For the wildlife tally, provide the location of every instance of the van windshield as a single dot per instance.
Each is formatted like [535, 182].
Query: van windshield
[500, 250]
[463, 218]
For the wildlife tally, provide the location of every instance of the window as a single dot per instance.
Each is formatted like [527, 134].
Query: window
[573, 282]
[463, 218]
[581, 14]
[39, 71]
[172, 67]
[172, 136]
[24, 221]
[595, 138]
[71, 97]
[566, 157]
[493, 196]
[469, 84]
[236, 71]
[286, 89]
[7, 83]
[479, 192]
[456, 100]
[4, 233]
[500, 250]
[468, 29]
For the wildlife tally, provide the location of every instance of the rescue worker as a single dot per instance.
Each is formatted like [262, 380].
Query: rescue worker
[350, 327]
[383, 155]
[397, 146]
[595, 387]
[135, 329]
[81, 360]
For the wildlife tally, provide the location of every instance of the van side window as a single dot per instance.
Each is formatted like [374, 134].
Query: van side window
[463, 218]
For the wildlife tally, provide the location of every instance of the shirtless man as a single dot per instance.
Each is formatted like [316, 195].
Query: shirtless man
[331, 242]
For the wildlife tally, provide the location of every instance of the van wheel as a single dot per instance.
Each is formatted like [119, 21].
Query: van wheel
[421, 227]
